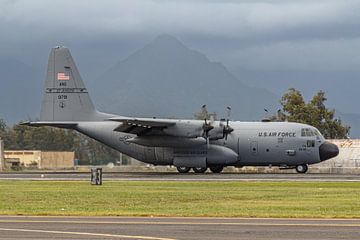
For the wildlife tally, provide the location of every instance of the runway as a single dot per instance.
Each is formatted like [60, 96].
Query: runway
[17, 227]
[169, 176]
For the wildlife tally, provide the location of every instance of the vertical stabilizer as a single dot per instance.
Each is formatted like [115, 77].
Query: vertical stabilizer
[65, 97]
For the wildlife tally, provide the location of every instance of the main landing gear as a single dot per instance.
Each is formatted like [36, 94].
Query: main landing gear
[199, 169]
[214, 169]
[183, 169]
[302, 168]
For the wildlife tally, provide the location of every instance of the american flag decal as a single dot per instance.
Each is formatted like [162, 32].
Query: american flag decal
[62, 77]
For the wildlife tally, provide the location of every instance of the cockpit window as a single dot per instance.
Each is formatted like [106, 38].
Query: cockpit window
[307, 132]
[311, 132]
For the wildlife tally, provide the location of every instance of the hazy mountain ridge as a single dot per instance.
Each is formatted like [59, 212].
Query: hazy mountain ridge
[167, 79]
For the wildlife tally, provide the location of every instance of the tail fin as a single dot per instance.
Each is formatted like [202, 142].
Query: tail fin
[66, 98]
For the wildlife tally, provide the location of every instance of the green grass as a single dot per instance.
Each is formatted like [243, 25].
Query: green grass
[220, 199]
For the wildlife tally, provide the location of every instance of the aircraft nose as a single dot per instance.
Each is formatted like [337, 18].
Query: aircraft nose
[328, 150]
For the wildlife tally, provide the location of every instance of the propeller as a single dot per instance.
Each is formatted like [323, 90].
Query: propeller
[207, 126]
[227, 128]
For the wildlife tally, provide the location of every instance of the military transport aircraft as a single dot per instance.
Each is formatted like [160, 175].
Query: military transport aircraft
[186, 144]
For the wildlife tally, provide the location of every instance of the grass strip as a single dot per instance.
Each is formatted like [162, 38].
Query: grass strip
[187, 199]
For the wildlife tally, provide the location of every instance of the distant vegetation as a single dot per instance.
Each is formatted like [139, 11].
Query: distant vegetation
[87, 150]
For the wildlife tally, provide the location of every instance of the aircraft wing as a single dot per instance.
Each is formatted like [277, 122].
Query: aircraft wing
[143, 126]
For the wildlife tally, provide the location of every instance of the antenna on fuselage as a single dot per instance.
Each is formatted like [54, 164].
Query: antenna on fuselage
[266, 117]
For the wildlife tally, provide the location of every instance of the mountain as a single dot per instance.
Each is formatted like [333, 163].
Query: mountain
[20, 91]
[167, 79]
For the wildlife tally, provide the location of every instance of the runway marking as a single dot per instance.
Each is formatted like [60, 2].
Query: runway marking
[188, 223]
[84, 234]
[183, 218]
[191, 179]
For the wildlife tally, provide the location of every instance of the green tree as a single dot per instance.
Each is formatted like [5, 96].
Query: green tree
[204, 114]
[315, 113]
[2, 125]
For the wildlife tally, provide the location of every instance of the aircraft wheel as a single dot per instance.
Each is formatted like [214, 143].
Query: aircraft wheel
[301, 168]
[199, 169]
[183, 169]
[217, 169]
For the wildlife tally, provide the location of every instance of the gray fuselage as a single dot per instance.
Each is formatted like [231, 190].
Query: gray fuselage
[253, 143]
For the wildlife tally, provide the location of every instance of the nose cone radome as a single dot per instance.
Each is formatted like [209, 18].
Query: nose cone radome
[328, 150]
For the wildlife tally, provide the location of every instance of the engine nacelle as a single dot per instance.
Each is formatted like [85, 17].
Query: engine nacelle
[217, 133]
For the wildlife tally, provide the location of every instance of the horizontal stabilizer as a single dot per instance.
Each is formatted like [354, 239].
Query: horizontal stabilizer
[50, 124]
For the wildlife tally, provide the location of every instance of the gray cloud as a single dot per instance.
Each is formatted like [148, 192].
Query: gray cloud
[255, 34]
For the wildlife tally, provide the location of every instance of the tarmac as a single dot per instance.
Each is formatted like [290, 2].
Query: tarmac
[20, 227]
[172, 176]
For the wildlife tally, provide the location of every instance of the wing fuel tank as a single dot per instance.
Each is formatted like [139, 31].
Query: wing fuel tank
[215, 155]
[219, 155]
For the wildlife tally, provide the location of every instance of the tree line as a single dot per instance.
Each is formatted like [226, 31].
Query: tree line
[87, 150]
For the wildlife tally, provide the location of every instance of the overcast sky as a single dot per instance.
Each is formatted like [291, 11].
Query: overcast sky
[301, 35]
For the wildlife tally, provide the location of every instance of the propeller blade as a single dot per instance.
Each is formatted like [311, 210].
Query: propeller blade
[228, 112]
[212, 119]
[227, 128]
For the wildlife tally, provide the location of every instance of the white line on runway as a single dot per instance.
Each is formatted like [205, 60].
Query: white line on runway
[317, 224]
[85, 234]
[192, 179]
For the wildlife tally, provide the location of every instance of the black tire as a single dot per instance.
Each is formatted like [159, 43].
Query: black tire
[302, 168]
[216, 169]
[199, 169]
[183, 169]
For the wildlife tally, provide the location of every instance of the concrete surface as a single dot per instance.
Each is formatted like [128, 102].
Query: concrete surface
[15, 227]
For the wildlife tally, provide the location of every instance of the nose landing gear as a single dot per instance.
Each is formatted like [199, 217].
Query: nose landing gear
[216, 169]
[302, 168]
